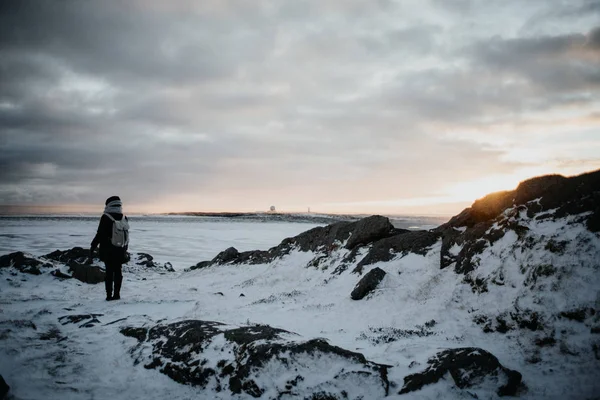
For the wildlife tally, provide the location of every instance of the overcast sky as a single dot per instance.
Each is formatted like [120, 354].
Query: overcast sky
[345, 106]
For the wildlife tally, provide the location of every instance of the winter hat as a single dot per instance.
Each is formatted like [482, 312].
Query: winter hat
[112, 198]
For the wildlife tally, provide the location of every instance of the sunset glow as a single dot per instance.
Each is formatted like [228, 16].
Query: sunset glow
[340, 107]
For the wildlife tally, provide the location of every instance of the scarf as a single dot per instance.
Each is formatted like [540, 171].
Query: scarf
[115, 207]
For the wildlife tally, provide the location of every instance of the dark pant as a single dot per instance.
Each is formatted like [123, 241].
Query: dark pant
[113, 274]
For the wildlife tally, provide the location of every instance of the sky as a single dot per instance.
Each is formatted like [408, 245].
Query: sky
[389, 107]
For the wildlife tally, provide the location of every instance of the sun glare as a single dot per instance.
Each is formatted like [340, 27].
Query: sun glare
[478, 188]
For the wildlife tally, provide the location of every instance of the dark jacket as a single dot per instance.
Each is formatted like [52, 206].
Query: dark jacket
[108, 252]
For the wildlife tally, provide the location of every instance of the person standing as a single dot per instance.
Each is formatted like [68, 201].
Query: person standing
[113, 238]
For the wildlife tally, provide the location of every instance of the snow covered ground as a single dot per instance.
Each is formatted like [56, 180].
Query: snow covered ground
[417, 310]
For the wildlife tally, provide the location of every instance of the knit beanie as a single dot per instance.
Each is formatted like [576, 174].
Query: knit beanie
[112, 198]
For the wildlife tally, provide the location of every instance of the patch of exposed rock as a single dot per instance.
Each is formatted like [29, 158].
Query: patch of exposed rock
[23, 263]
[386, 249]
[76, 259]
[368, 283]
[468, 367]
[256, 361]
[76, 254]
[319, 240]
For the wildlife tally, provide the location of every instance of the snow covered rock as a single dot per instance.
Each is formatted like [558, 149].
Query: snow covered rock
[87, 273]
[367, 284]
[23, 263]
[469, 367]
[256, 360]
[76, 254]
[322, 240]
[417, 242]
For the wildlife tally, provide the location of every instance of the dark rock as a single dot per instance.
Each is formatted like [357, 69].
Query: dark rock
[323, 239]
[19, 323]
[140, 334]
[545, 341]
[226, 256]
[578, 315]
[76, 254]
[468, 367]
[4, 388]
[248, 350]
[483, 210]
[407, 242]
[528, 319]
[145, 260]
[369, 230]
[200, 265]
[23, 263]
[74, 319]
[368, 283]
[87, 273]
[57, 273]
[556, 247]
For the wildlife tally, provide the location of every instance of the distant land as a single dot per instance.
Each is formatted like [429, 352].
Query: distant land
[399, 221]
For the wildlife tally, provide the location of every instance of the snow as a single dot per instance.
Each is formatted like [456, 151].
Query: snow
[98, 362]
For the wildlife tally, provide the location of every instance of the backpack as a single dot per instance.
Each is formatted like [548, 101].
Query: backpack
[120, 231]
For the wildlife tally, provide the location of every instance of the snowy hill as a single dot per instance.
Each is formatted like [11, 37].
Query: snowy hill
[503, 299]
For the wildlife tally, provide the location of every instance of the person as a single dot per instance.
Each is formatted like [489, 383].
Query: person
[113, 238]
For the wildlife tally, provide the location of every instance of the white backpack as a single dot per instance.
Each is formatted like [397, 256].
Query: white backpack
[120, 231]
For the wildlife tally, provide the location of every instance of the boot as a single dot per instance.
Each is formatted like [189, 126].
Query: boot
[108, 286]
[118, 281]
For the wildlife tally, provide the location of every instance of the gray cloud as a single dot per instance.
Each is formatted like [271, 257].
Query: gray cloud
[153, 99]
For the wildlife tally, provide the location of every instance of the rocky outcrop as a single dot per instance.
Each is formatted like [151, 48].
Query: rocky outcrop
[557, 195]
[76, 254]
[87, 273]
[319, 240]
[4, 388]
[406, 242]
[368, 283]
[23, 263]
[76, 259]
[145, 260]
[468, 368]
[246, 360]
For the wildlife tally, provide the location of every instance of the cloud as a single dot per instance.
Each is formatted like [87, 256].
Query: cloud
[228, 104]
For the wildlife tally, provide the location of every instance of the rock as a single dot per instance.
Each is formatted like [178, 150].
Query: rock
[145, 260]
[555, 194]
[369, 230]
[90, 320]
[185, 351]
[368, 283]
[4, 388]
[76, 254]
[23, 263]
[484, 209]
[408, 242]
[87, 273]
[226, 256]
[323, 239]
[468, 368]
[57, 273]
[200, 265]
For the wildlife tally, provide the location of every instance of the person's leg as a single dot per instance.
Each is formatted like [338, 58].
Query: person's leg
[118, 280]
[108, 280]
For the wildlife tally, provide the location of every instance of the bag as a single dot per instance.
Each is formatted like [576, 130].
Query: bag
[120, 231]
